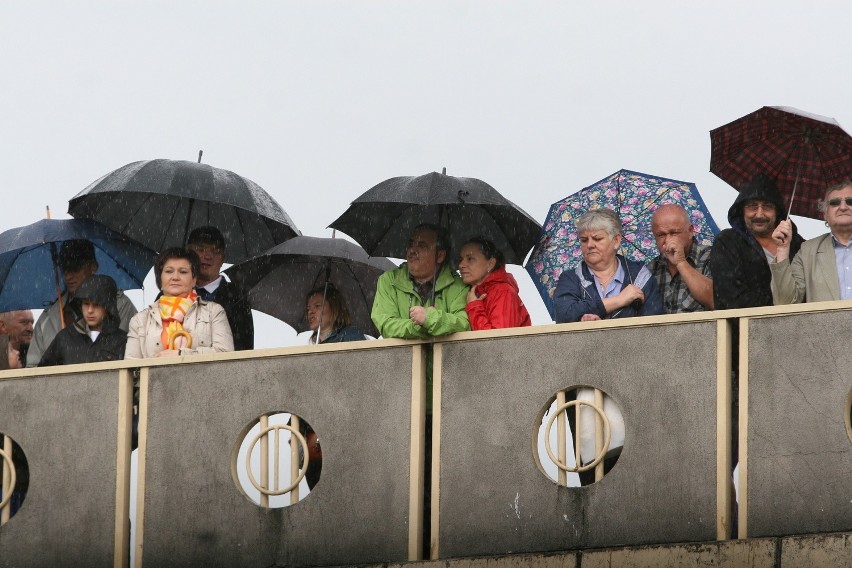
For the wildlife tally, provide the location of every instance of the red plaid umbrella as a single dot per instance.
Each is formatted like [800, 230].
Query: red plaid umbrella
[804, 153]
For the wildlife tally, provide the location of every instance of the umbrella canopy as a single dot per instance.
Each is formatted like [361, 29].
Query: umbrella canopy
[635, 197]
[278, 281]
[795, 148]
[159, 202]
[382, 219]
[27, 265]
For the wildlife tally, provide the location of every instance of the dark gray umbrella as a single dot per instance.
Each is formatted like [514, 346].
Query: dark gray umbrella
[277, 282]
[159, 202]
[381, 220]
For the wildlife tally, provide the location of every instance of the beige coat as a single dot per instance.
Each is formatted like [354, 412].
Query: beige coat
[205, 321]
[811, 277]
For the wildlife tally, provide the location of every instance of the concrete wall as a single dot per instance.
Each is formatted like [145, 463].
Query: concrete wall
[359, 404]
[494, 500]
[67, 427]
[799, 452]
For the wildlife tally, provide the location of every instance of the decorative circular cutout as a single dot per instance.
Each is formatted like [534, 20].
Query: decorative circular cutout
[586, 427]
[275, 446]
[14, 478]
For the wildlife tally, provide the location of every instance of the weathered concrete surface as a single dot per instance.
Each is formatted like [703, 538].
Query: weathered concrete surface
[359, 404]
[66, 425]
[813, 551]
[816, 551]
[799, 453]
[494, 500]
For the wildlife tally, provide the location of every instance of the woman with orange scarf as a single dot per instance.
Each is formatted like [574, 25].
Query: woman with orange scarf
[179, 322]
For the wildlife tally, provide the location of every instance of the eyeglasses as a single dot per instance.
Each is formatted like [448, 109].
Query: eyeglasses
[205, 249]
[755, 206]
[835, 202]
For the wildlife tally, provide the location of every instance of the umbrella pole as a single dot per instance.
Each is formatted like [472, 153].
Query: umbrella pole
[793, 195]
[322, 308]
[54, 255]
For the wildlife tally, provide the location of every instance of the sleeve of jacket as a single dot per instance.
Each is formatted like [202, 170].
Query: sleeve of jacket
[450, 316]
[653, 304]
[126, 310]
[788, 281]
[53, 354]
[729, 288]
[387, 313]
[498, 310]
[220, 331]
[135, 336]
[44, 328]
[569, 301]
[242, 326]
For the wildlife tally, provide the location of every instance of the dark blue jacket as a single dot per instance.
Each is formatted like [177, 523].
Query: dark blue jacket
[575, 296]
[348, 333]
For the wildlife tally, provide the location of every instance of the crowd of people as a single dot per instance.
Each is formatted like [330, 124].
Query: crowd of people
[759, 261]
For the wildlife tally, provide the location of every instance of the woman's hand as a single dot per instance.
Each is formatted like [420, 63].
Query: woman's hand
[471, 295]
[631, 293]
[167, 353]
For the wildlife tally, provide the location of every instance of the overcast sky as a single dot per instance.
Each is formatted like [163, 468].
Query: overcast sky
[319, 101]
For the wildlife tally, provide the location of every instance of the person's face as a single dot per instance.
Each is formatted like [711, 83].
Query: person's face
[176, 278]
[314, 308]
[421, 256]
[671, 227]
[94, 314]
[599, 248]
[838, 214]
[19, 327]
[473, 266]
[759, 217]
[73, 278]
[212, 258]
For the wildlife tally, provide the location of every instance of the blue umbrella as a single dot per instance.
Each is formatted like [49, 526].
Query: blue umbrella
[635, 197]
[27, 260]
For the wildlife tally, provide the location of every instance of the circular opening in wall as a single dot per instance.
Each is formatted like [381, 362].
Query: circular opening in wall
[276, 460]
[848, 415]
[578, 436]
[14, 478]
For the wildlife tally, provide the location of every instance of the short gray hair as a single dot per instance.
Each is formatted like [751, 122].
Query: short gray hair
[822, 205]
[599, 220]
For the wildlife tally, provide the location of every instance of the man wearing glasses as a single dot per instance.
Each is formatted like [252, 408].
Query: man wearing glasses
[822, 270]
[742, 254]
[209, 244]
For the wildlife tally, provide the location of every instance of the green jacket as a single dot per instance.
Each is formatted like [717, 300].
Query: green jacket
[395, 295]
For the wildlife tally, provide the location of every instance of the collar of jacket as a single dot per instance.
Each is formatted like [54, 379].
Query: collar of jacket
[402, 281]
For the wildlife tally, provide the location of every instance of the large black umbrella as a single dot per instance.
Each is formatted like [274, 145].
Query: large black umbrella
[159, 202]
[278, 281]
[28, 257]
[382, 219]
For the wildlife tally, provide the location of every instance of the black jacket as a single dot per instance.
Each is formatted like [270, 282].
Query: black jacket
[73, 344]
[238, 312]
[741, 275]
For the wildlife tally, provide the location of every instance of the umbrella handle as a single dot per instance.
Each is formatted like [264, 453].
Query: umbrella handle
[180, 333]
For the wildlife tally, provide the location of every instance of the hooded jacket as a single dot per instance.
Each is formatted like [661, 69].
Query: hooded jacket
[502, 306]
[74, 345]
[741, 274]
[577, 294]
[395, 295]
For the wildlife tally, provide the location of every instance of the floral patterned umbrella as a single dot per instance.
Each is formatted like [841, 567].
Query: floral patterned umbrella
[635, 197]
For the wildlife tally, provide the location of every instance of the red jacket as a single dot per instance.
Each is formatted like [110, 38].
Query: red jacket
[501, 307]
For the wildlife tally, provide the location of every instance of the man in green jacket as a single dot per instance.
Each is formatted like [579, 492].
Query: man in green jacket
[411, 302]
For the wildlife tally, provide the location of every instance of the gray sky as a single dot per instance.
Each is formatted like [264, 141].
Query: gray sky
[319, 101]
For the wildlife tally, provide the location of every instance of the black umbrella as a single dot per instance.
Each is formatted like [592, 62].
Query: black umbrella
[382, 219]
[277, 281]
[159, 202]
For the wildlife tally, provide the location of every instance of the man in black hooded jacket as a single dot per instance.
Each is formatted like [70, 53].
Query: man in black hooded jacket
[96, 336]
[740, 258]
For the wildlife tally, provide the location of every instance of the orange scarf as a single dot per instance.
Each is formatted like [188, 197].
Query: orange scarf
[172, 311]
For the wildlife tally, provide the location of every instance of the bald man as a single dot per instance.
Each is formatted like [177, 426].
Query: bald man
[683, 268]
[16, 332]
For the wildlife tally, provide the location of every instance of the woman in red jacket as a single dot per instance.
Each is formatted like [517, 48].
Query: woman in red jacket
[493, 301]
